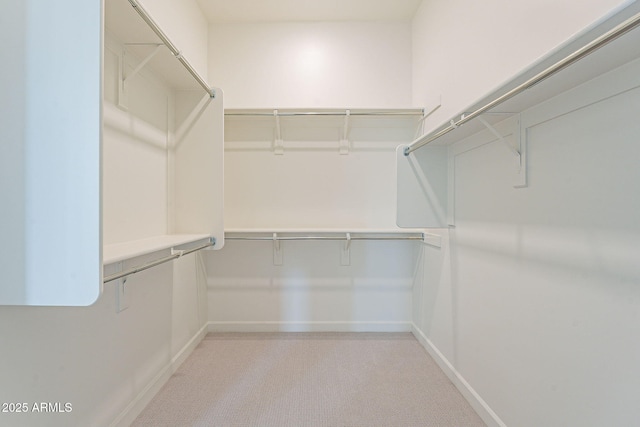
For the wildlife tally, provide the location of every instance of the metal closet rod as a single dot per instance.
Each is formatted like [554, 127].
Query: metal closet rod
[174, 50]
[330, 113]
[137, 269]
[586, 50]
[278, 238]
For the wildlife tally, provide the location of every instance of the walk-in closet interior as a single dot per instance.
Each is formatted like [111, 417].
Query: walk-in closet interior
[461, 173]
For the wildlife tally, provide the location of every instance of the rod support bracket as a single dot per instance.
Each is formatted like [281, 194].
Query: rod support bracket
[344, 141]
[278, 143]
[345, 253]
[277, 250]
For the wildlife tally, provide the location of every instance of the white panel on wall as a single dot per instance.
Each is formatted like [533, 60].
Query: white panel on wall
[198, 165]
[52, 103]
[422, 179]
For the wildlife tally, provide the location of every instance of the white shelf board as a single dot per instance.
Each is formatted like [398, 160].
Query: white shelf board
[124, 23]
[617, 53]
[122, 251]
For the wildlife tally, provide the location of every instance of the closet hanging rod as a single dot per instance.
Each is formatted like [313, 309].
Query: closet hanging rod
[285, 238]
[157, 262]
[584, 51]
[329, 113]
[174, 50]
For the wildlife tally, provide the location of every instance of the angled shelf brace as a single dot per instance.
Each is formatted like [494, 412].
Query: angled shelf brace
[518, 148]
[515, 150]
[123, 77]
[144, 61]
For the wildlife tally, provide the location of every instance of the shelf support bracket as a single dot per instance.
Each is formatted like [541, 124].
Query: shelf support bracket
[143, 63]
[345, 254]
[123, 99]
[122, 294]
[344, 142]
[493, 130]
[277, 250]
[178, 252]
[518, 151]
[278, 144]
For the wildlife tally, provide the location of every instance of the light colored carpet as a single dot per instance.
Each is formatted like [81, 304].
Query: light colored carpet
[309, 379]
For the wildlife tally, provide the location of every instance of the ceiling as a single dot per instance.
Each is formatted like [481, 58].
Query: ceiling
[236, 11]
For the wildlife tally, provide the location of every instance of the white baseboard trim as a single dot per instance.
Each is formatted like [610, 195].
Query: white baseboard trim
[138, 404]
[474, 399]
[279, 326]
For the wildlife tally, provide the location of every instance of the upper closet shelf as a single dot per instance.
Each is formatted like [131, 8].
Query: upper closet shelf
[602, 48]
[344, 118]
[130, 23]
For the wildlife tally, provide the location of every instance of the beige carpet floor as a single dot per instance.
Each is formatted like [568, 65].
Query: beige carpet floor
[309, 379]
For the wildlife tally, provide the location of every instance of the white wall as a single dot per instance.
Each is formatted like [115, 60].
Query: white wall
[462, 50]
[320, 64]
[534, 302]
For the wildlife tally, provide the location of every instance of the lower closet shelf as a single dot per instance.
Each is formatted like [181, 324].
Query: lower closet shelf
[127, 250]
[324, 234]
[179, 244]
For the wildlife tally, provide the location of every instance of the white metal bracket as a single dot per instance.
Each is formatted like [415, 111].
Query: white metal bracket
[122, 293]
[493, 130]
[432, 240]
[518, 151]
[345, 253]
[144, 62]
[344, 142]
[123, 99]
[277, 250]
[123, 77]
[434, 105]
[278, 144]
[178, 252]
